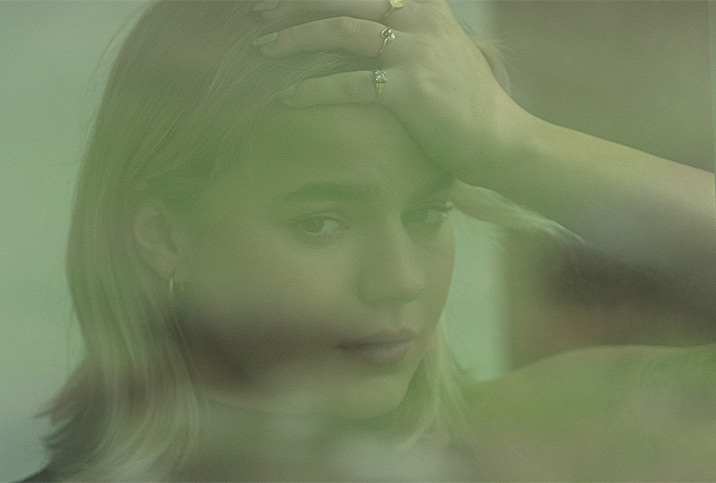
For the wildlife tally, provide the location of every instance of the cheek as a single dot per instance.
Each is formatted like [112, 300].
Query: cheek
[257, 284]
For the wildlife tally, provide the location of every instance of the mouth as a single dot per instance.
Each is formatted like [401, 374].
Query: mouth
[381, 348]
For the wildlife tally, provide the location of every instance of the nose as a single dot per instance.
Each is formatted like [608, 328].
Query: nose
[393, 270]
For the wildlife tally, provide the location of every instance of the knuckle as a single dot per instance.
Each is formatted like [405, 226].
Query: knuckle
[352, 86]
[424, 85]
[443, 23]
[345, 26]
[430, 53]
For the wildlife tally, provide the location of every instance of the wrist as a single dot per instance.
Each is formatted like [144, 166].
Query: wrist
[515, 137]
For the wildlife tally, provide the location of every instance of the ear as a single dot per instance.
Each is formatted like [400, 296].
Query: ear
[158, 235]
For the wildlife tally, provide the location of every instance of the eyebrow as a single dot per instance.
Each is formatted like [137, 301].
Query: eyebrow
[330, 191]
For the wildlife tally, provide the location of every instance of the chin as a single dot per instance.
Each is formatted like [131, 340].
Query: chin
[377, 393]
[371, 398]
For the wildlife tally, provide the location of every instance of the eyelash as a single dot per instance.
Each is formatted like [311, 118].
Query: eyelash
[301, 225]
[441, 211]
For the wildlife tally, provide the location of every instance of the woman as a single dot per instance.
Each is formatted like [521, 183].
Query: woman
[260, 253]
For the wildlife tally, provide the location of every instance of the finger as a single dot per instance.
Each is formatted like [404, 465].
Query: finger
[367, 9]
[409, 15]
[359, 36]
[358, 87]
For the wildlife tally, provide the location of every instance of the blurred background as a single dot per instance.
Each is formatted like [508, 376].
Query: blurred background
[54, 57]
[634, 72]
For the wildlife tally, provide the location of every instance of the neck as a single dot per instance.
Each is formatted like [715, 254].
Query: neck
[238, 443]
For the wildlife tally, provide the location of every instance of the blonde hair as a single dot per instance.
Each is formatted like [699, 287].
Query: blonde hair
[177, 109]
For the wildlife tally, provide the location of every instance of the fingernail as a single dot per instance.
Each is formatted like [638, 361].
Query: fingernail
[287, 92]
[265, 5]
[265, 39]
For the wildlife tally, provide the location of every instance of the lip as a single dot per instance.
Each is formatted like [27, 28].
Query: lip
[381, 348]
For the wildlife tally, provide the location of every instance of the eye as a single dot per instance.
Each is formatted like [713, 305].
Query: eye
[318, 226]
[428, 217]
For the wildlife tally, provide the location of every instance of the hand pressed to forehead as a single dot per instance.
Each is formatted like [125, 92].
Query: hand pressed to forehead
[361, 28]
[432, 75]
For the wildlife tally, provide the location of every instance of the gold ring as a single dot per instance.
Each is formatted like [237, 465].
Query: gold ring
[394, 5]
[380, 79]
[387, 34]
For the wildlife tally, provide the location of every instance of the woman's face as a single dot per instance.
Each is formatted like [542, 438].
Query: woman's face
[317, 271]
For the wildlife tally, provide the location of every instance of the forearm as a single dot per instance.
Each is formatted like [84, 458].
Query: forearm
[642, 209]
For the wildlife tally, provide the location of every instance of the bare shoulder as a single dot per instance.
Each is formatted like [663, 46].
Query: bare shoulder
[602, 413]
[606, 375]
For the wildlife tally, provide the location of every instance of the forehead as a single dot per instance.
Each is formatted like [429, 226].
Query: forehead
[365, 144]
[344, 145]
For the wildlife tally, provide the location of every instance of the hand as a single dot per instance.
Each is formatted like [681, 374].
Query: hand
[438, 84]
